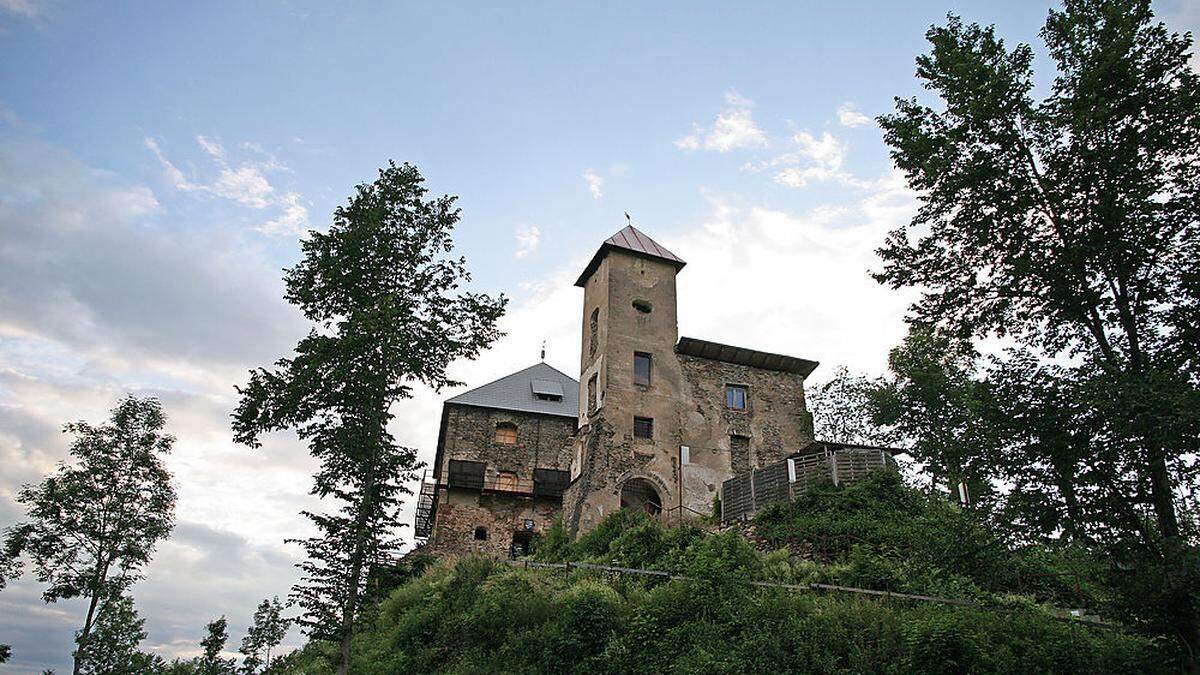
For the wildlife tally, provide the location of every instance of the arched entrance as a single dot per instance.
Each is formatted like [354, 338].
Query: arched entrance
[640, 494]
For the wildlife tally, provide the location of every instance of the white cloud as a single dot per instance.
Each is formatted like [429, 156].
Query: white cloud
[293, 220]
[528, 239]
[735, 99]
[849, 116]
[246, 184]
[595, 183]
[29, 9]
[815, 159]
[733, 129]
[210, 146]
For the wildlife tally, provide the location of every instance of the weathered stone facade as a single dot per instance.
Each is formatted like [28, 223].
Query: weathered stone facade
[695, 439]
[662, 434]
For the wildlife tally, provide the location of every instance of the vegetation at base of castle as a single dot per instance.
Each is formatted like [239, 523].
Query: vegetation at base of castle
[93, 525]
[476, 615]
[383, 293]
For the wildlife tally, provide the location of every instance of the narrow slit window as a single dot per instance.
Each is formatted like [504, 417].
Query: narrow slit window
[641, 369]
[643, 427]
[735, 397]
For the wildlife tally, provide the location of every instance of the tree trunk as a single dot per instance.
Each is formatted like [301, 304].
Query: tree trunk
[83, 634]
[356, 564]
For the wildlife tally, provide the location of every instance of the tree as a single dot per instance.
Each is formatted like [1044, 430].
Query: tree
[93, 526]
[113, 646]
[843, 411]
[931, 403]
[385, 296]
[211, 662]
[1071, 226]
[266, 632]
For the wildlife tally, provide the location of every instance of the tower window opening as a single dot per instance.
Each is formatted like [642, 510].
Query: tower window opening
[641, 369]
[594, 331]
[643, 427]
[480, 533]
[735, 397]
[642, 306]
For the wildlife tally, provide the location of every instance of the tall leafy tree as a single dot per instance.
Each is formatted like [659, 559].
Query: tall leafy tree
[1071, 225]
[93, 525]
[385, 294]
[210, 662]
[843, 410]
[931, 402]
[267, 630]
[113, 647]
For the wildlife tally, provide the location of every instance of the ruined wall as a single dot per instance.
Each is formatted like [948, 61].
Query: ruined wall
[503, 516]
[543, 442]
[776, 422]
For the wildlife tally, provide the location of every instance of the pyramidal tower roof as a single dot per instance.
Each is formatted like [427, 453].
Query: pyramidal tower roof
[630, 240]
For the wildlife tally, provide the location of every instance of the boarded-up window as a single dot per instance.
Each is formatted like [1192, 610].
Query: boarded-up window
[506, 432]
[550, 482]
[739, 454]
[643, 427]
[506, 481]
[735, 397]
[464, 474]
[641, 369]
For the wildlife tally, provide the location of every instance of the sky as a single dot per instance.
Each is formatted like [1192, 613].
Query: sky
[160, 162]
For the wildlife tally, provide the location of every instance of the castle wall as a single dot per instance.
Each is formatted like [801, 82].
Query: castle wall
[776, 422]
[543, 442]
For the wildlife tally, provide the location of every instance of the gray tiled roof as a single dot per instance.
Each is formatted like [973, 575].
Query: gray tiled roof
[634, 241]
[515, 392]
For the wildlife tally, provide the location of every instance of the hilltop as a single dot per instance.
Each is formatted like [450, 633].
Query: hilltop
[474, 614]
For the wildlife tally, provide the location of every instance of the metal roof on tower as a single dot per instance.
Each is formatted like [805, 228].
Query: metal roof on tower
[630, 240]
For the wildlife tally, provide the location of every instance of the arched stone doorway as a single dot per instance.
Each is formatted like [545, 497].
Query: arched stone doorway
[640, 494]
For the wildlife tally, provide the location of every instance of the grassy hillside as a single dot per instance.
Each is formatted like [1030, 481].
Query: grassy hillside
[474, 615]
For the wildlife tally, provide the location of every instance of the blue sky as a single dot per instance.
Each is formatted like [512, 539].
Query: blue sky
[159, 160]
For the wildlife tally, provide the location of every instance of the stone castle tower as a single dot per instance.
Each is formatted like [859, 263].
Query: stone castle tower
[630, 385]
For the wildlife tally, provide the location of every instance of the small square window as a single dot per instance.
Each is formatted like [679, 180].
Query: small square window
[528, 524]
[643, 427]
[641, 369]
[735, 397]
[481, 533]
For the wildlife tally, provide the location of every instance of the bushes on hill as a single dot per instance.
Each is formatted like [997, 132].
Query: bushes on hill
[475, 615]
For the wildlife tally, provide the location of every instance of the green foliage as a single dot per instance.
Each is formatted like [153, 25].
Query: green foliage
[94, 525]
[385, 296]
[472, 614]
[112, 647]
[266, 631]
[211, 662]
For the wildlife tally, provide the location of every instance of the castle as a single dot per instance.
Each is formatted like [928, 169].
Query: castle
[654, 422]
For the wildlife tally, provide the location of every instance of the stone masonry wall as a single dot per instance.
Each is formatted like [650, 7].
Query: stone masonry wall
[776, 421]
[543, 442]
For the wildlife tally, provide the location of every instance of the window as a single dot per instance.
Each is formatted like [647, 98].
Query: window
[506, 433]
[642, 306]
[641, 369]
[735, 397]
[739, 454]
[528, 524]
[506, 481]
[592, 403]
[465, 474]
[643, 427]
[480, 533]
[594, 330]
